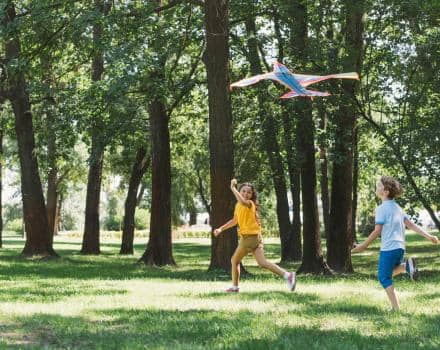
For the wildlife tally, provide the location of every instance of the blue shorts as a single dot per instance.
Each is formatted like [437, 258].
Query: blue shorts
[388, 260]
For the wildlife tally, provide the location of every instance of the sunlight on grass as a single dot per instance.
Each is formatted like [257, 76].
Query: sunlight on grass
[109, 301]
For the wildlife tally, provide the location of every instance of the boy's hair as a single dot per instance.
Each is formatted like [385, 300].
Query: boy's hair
[391, 185]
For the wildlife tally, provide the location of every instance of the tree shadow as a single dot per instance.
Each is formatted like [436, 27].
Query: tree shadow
[121, 328]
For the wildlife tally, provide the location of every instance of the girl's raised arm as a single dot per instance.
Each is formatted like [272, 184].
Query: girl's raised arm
[237, 194]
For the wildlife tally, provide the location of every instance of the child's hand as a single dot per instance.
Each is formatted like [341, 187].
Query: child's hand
[433, 239]
[233, 183]
[217, 231]
[358, 248]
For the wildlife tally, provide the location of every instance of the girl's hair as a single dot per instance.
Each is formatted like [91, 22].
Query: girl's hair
[254, 198]
[391, 185]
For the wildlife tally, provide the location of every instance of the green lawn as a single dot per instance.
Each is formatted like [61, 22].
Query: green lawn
[109, 302]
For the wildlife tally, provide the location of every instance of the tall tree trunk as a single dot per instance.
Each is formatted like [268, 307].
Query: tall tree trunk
[1, 184]
[220, 129]
[90, 244]
[159, 247]
[139, 167]
[192, 216]
[38, 238]
[49, 108]
[341, 237]
[272, 148]
[52, 177]
[58, 223]
[140, 195]
[353, 237]
[325, 200]
[312, 260]
[291, 147]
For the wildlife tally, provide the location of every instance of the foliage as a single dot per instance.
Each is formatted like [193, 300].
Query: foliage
[142, 219]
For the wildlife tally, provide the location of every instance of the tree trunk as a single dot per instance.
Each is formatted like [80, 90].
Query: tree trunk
[141, 192]
[52, 177]
[57, 226]
[1, 185]
[355, 184]
[325, 200]
[159, 247]
[139, 167]
[220, 130]
[341, 236]
[272, 148]
[313, 260]
[192, 216]
[90, 244]
[38, 238]
[291, 147]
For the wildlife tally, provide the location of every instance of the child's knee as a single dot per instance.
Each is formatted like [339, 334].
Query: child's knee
[385, 280]
[234, 261]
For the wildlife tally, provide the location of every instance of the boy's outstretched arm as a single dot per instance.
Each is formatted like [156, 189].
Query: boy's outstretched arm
[373, 235]
[412, 226]
[228, 224]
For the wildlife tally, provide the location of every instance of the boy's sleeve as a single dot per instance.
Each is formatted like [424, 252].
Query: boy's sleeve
[380, 216]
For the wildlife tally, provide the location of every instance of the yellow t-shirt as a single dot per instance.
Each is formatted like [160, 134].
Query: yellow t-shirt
[247, 219]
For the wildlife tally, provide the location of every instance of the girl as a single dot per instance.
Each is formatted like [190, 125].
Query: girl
[390, 224]
[249, 229]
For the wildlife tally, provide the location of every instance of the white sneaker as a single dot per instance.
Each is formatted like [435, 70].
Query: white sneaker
[291, 281]
[411, 268]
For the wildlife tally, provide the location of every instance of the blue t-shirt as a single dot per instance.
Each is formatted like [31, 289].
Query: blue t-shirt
[391, 216]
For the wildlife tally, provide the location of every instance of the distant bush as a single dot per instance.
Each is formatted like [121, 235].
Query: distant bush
[15, 225]
[142, 219]
[68, 222]
[113, 223]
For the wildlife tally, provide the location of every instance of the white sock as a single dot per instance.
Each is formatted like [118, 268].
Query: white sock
[234, 287]
[286, 275]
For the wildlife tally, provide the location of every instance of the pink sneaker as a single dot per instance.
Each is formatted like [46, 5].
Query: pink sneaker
[291, 281]
[232, 290]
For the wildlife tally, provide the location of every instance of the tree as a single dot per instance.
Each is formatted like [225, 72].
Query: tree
[271, 146]
[38, 238]
[140, 166]
[220, 128]
[312, 260]
[1, 182]
[340, 233]
[90, 244]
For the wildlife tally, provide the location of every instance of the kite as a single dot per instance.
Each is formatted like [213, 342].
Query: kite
[297, 83]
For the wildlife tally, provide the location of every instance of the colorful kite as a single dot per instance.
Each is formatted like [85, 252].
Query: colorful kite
[297, 83]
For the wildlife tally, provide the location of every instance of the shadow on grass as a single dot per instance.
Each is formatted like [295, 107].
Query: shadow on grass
[40, 292]
[192, 259]
[208, 329]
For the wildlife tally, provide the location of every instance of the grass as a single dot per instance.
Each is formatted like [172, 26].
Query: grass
[110, 302]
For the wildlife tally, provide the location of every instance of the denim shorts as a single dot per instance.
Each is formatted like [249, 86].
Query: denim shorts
[388, 261]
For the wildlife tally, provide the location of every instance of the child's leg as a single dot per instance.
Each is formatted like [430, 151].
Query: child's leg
[239, 254]
[392, 296]
[399, 269]
[387, 267]
[264, 263]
